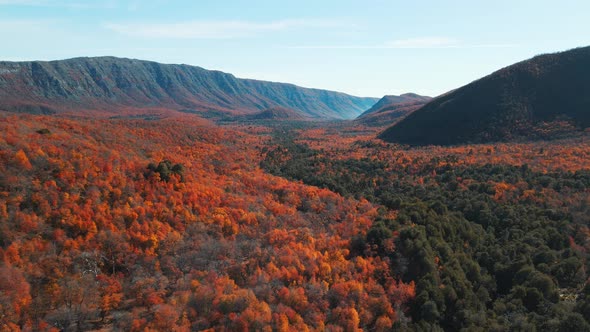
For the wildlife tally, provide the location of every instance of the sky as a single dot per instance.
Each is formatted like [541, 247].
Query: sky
[366, 48]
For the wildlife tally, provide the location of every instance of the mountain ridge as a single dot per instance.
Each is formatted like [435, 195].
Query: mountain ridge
[107, 82]
[390, 100]
[392, 108]
[276, 114]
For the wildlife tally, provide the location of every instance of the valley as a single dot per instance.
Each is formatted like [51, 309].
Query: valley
[290, 226]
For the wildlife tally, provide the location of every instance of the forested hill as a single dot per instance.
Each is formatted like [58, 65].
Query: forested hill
[391, 108]
[109, 83]
[277, 113]
[544, 97]
[389, 101]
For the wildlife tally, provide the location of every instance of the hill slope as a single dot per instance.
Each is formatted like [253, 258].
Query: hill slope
[532, 99]
[392, 108]
[391, 100]
[276, 113]
[107, 83]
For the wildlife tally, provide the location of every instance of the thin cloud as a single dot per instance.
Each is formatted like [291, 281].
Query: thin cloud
[411, 43]
[20, 24]
[425, 42]
[215, 29]
[59, 4]
[23, 2]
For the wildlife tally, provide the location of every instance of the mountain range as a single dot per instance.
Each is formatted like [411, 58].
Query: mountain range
[117, 84]
[547, 96]
[543, 97]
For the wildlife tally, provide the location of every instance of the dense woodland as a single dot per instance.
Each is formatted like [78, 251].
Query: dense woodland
[489, 246]
[179, 224]
[171, 225]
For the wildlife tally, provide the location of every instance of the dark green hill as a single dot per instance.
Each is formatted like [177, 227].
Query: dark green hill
[109, 83]
[545, 96]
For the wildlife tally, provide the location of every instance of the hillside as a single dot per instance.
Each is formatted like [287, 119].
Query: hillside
[276, 113]
[544, 97]
[172, 225]
[114, 84]
[392, 108]
[392, 100]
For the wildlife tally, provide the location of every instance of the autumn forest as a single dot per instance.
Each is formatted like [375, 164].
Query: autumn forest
[178, 224]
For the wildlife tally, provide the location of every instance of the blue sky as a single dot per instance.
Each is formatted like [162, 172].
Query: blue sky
[366, 48]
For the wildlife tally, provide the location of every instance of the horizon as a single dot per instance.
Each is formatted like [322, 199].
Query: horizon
[368, 50]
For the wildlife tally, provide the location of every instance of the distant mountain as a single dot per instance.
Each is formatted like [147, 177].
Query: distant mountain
[277, 113]
[544, 97]
[391, 100]
[392, 108]
[109, 83]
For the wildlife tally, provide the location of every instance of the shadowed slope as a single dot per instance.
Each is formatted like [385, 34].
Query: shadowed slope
[538, 98]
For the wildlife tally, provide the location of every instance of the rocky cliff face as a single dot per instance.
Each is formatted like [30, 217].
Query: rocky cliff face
[108, 83]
